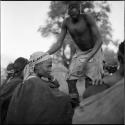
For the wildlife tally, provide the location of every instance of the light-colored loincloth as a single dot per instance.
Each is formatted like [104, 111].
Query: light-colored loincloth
[94, 68]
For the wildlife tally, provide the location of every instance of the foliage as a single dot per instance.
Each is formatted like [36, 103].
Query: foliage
[110, 57]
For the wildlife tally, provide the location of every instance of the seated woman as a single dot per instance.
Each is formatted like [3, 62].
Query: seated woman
[109, 81]
[106, 107]
[34, 101]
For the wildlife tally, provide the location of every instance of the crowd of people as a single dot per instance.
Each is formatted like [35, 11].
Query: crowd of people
[31, 94]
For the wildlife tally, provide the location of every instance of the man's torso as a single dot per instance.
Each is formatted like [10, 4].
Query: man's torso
[81, 33]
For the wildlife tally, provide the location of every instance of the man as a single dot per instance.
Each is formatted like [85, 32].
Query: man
[34, 102]
[106, 107]
[87, 41]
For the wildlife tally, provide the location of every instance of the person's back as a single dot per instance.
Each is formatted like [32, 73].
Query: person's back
[87, 41]
[104, 108]
[92, 90]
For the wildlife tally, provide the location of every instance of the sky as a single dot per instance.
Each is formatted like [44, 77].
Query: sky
[20, 21]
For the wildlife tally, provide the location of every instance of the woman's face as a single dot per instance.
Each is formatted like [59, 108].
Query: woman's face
[44, 68]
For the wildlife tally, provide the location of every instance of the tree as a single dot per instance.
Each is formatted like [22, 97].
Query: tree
[58, 11]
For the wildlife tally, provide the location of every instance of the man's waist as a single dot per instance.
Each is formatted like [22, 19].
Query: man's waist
[80, 52]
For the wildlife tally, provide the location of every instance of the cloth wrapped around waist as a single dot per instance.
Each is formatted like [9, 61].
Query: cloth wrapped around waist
[93, 70]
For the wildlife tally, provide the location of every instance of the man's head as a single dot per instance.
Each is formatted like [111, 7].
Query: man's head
[42, 64]
[74, 10]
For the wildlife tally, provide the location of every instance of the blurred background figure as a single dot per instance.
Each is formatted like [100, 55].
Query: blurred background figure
[15, 75]
[9, 73]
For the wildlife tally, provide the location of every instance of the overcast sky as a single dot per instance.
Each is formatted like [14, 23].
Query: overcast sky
[20, 21]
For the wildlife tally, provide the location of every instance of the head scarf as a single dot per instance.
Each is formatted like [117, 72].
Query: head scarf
[35, 58]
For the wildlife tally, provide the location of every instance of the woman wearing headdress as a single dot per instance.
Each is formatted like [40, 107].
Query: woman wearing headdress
[34, 102]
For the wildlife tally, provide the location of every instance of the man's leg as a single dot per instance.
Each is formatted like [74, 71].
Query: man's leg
[73, 92]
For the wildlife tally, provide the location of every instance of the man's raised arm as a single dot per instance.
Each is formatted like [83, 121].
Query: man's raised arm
[59, 42]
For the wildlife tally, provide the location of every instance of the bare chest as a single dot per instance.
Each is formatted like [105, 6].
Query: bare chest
[78, 28]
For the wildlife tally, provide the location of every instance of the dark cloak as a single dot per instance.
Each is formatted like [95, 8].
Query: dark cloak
[35, 102]
[6, 92]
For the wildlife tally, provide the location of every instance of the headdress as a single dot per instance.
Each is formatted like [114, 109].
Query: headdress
[35, 58]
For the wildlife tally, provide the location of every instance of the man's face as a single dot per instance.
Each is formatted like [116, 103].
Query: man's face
[44, 68]
[74, 13]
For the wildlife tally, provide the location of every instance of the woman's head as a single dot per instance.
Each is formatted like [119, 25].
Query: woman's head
[19, 65]
[40, 64]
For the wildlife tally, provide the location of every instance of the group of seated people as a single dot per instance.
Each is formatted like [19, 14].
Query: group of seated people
[30, 95]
